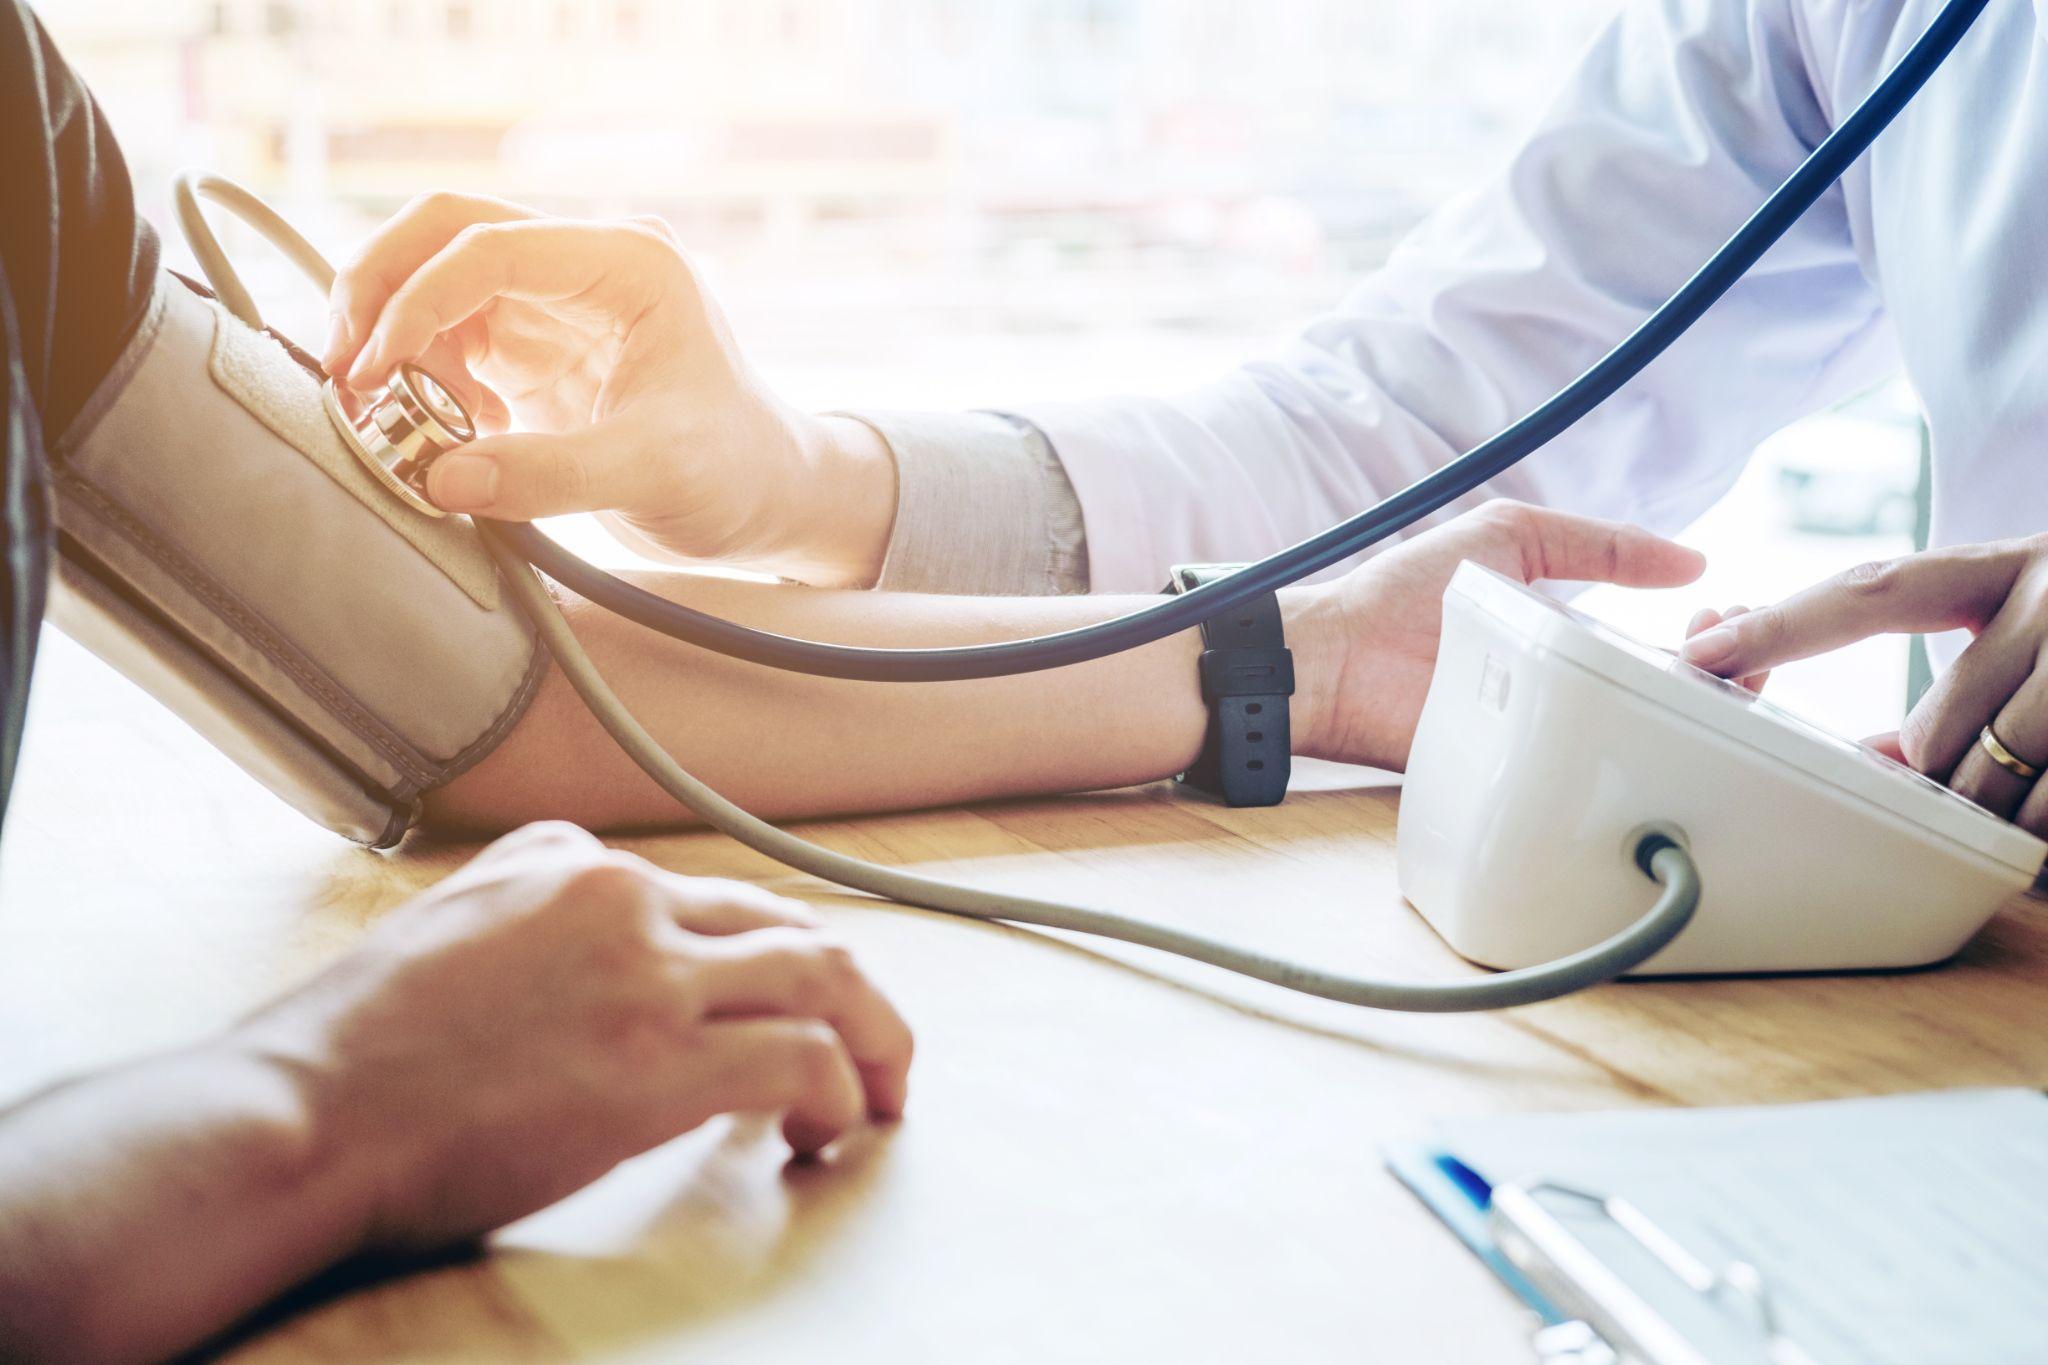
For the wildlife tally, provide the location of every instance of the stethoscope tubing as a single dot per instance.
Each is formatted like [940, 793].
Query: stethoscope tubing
[1662, 858]
[1800, 190]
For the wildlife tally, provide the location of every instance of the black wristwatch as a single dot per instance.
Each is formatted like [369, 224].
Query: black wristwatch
[1247, 676]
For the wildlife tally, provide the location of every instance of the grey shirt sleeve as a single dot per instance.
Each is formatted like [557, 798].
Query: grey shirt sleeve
[983, 507]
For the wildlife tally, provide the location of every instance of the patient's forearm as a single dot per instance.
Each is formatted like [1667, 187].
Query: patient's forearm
[144, 1208]
[784, 744]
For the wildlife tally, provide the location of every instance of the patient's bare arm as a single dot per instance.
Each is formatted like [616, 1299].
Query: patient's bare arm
[783, 744]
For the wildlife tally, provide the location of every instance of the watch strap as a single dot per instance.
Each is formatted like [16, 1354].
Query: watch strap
[1247, 675]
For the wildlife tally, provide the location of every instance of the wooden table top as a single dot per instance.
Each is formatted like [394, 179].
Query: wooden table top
[1108, 1155]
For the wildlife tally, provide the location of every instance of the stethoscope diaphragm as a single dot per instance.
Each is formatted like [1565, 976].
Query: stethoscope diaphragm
[401, 430]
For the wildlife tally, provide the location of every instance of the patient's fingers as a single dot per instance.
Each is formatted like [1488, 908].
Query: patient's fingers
[715, 906]
[1562, 545]
[797, 1067]
[393, 252]
[613, 268]
[800, 972]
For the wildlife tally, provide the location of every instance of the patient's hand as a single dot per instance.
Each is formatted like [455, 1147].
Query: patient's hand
[509, 1036]
[1383, 620]
[604, 340]
[555, 1008]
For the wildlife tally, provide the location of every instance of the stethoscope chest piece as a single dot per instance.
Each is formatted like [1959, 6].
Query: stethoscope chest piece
[399, 432]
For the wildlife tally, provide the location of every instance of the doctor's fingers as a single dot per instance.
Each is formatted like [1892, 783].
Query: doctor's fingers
[620, 271]
[401, 245]
[2020, 725]
[1936, 590]
[800, 973]
[1982, 683]
[2032, 812]
[607, 466]
[1706, 618]
[448, 362]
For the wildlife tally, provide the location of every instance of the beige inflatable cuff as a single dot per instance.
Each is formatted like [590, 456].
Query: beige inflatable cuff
[219, 545]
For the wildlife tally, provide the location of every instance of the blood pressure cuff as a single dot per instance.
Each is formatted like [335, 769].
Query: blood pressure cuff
[220, 545]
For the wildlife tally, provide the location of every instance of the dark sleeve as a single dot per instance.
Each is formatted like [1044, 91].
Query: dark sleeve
[76, 268]
[79, 261]
[25, 516]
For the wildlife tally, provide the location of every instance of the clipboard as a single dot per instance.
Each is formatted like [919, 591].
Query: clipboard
[1940, 1204]
[1577, 1247]
[1584, 1319]
[1462, 1199]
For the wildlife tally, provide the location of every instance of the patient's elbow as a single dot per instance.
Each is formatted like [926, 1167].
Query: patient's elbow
[473, 804]
[555, 763]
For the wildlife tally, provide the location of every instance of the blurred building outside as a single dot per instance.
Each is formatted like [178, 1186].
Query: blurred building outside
[945, 203]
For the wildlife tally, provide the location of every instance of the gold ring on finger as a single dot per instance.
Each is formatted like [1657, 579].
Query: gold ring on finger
[2006, 758]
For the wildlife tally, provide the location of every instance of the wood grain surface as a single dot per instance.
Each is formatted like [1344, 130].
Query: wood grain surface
[1108, 1156]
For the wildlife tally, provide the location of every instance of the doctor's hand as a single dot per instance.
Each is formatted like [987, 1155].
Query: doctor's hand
[1386, 616]
[1707, 619]
[554, 1008]
[603, 340]
[1998, 592]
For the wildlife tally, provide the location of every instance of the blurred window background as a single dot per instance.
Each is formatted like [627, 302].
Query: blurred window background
[943, 203]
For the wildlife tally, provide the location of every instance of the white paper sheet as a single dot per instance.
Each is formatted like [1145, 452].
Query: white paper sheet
[1900, 1231]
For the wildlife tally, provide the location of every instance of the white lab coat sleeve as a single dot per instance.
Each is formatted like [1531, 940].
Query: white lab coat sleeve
[1682, 117]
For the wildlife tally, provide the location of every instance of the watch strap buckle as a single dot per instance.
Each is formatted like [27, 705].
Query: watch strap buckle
[1247, 673]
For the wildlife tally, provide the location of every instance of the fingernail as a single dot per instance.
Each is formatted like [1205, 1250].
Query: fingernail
[462, 482]
[337, 342]
[1710, 647]
[362, 374]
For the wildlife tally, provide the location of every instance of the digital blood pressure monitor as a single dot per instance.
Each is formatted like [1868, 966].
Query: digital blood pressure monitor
[1549, 741]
